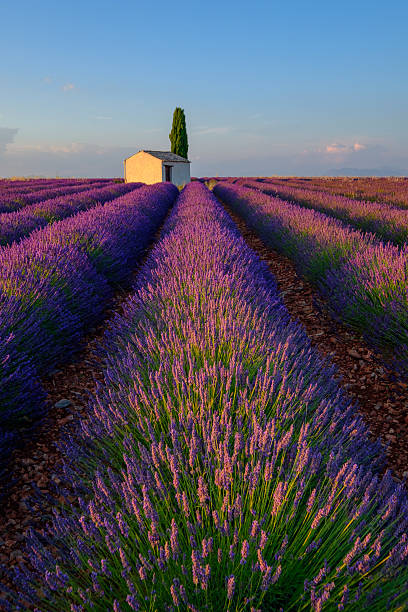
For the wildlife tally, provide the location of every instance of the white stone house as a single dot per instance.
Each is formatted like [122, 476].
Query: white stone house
[155, 167]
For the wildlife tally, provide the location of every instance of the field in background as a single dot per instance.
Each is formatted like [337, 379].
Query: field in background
[219, 464]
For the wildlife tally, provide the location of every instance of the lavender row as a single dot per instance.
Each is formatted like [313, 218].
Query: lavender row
[22, 196]
[54, 285]
[21, 186]
[15, 191]
[390, 224]
[58, 186]
[392, 191]
[19, 224]
[364, 281]
[9, 186]
[220, 468]
[17, 201]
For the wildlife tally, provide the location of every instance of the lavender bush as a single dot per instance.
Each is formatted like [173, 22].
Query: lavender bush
[386, 222]
[31, 184]
[14, 199]
[220, 468]
[20, 387]
[363, 279]
[388, 190]
[19, 224]
[56, 283]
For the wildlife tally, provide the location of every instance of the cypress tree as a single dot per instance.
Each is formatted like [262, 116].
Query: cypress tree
[178, 134]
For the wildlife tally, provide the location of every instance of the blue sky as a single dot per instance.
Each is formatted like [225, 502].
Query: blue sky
[267, 87]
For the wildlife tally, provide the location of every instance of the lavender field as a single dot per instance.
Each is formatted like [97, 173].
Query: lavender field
[216, 461]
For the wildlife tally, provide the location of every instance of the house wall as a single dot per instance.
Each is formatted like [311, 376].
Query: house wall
[180, 173]
[143, 168]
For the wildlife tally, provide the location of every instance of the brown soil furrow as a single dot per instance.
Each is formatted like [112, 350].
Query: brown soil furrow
[381, 394]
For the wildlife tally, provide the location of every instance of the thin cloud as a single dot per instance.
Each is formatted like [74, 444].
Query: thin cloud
[7, 136]
[71, 148]
[336, 147]
[47, 80]
[64, 159]
[212, 130]
[68, 87]
[102, 117]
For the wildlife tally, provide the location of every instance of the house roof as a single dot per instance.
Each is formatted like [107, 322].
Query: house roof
[164, 156]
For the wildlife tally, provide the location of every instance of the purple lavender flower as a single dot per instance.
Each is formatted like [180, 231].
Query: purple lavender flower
[244, 551]
[230, 586]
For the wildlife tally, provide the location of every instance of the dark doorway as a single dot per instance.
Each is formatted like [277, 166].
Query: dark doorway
[168, 173]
